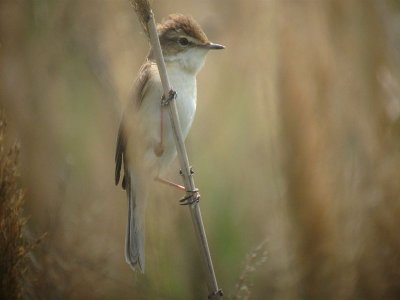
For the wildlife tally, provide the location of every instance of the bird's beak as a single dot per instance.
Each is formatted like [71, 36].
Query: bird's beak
[213, 46]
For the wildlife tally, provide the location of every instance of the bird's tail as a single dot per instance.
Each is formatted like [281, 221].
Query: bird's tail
[134, 243]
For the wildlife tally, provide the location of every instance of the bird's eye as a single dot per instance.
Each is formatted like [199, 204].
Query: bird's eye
[183, 41]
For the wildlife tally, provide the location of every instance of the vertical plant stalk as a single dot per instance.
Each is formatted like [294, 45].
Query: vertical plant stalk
[146, 17]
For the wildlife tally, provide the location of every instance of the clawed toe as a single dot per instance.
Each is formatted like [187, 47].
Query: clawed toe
[191, 197]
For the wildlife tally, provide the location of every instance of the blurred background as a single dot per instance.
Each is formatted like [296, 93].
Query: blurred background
[295, 147]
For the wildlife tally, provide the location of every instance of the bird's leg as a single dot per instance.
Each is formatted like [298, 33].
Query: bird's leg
[170, 183]
[191, 196]
[159, 148]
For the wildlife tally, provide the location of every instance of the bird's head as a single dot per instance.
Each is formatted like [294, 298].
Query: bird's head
[184, 42]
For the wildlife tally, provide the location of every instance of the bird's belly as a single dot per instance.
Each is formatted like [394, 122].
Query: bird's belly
[185, 100]
[186, 105]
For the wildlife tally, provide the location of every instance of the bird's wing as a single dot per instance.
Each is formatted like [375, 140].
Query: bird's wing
[140, 89]
[142, 82]
[119, 153]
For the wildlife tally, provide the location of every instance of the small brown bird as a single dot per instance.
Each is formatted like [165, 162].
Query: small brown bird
[145, 143]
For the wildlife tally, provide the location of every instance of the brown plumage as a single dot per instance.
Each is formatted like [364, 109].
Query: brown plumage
[138, 95]
[182, 24]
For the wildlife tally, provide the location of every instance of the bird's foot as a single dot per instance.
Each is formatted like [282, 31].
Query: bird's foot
[171, 96]
[191, 197]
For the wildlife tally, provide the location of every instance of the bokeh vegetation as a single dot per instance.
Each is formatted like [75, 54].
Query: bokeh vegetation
[13, 245]
[295, 147]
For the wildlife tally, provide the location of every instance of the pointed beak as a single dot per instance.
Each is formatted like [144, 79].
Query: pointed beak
[213, 46]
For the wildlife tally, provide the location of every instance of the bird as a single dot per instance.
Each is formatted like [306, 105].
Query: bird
[145, 144]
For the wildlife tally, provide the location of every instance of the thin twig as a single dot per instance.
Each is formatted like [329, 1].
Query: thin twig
[143, 9]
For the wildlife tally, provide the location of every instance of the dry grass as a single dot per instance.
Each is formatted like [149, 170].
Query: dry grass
[254, 260]
[13, 247]
[143, 11]
[342, 160]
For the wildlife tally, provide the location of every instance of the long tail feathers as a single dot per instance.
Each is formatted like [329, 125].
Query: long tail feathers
[134, 243]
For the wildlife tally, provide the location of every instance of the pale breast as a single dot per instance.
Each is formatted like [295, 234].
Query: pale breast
[185, 86]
